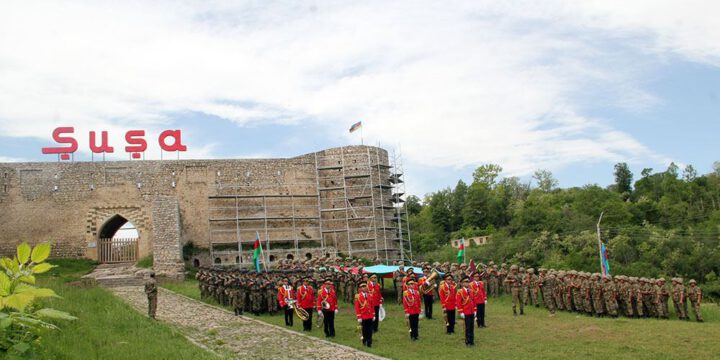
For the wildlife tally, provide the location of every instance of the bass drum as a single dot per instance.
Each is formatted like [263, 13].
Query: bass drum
[381, 313]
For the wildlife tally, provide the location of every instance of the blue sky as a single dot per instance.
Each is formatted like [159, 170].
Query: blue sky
[573, 87]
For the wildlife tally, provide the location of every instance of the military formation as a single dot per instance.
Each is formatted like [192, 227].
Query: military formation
[293, 286]
[593, 294]
[256, 293]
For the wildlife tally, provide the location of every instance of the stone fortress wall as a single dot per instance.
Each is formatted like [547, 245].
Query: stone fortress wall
[318, 204]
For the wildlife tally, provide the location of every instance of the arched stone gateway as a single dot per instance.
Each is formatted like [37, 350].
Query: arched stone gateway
[114, 247]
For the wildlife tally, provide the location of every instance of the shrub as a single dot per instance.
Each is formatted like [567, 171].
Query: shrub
[23, 320]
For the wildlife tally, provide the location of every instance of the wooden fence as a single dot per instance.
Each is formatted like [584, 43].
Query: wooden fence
[117, 250]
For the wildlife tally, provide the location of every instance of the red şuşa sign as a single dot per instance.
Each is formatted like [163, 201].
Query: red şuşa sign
[136, 143]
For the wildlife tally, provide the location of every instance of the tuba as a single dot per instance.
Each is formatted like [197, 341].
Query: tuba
[428, 286]
[300, 312]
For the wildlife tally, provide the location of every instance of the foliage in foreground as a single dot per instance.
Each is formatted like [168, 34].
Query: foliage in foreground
[23, 320]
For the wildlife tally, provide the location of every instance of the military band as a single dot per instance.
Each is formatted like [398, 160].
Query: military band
[585, 293]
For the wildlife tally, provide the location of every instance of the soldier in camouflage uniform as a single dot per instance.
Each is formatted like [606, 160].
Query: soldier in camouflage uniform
[547, 284]
[586, 294]
[637, 297]
[610, 296]
[577, 297]
[559, 290]
[694, 295]
[661, 299]
[596, 290]
[255, 297]
[648, 297]
[271, 297]
[502, 274]
[515, 280]
[494, 281]
[625, 295]
[398, 277]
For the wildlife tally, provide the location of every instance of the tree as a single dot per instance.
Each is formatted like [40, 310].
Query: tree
[487, 174]
[22, 319]
[546, 181]
[689, 174]
[623, 178]
[413, 205]
[457, 203]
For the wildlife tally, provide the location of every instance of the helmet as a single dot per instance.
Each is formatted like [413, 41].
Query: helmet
[692, 281]
[514, 267]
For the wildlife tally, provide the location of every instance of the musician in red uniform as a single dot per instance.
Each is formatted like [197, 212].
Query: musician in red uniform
[327, 306]
[410, 275]
[365, 313]
[480, 296]
[306, 300]
[466, 307]
[285, 293]
[447, 301]
[411, 305]
[377, 299]
[429, 297]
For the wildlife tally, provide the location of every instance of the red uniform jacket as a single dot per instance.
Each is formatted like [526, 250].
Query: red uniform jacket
[465, 301]
[363, 307]
[375, 294]
[478, 291]
[327, 294]
[411, 301]
[305, 297]
[284, 294]
[422, 281]
[447, 296]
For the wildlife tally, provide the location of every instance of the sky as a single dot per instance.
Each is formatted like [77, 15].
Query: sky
[568, 86]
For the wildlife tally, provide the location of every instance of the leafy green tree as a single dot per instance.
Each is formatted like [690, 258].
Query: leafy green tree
[545, 180]
[413, 205]
[623, 178]
[487, 174]
[23, 320]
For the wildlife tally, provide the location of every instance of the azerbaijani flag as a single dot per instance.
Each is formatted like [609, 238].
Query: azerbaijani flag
[461, 251]
[356, 126]
[257, 250]
[604, 258]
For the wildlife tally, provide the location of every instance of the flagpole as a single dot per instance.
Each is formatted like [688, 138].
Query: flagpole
[362, 142]
[602, 268]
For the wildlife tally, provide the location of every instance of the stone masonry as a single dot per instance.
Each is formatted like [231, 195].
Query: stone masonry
[332, 201]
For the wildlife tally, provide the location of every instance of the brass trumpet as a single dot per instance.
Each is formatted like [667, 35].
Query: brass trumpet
[300, 312]
[429, 285]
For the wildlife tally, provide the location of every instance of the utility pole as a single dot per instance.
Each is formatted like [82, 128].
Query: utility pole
[602, 268]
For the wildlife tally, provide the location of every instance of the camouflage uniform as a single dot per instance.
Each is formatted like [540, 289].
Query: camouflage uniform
[661, 299]
[596, 288]
[514, 280]
[694, 295]
[637, 297]
[609, 293]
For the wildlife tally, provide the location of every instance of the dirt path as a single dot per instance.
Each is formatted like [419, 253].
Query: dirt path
[235, 337]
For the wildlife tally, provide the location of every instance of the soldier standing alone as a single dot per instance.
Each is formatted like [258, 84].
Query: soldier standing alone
[151, 292]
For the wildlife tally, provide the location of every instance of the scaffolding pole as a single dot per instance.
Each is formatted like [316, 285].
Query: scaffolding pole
[382, 203]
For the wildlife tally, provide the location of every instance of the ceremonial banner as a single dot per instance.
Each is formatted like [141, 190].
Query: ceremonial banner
[356, 126]
[257, 251]
[461, 251]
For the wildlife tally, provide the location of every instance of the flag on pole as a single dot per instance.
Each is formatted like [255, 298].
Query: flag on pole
[356, 126]
[472, 267]
[257, 251]
[461, 251]
[604, 258]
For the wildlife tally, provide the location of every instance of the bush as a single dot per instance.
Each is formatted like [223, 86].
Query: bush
[22, 319]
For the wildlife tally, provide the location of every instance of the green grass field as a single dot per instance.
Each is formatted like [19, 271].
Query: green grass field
[106, 328]
[533, 336]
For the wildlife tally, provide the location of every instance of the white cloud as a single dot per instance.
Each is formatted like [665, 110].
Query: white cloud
[456, 83]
